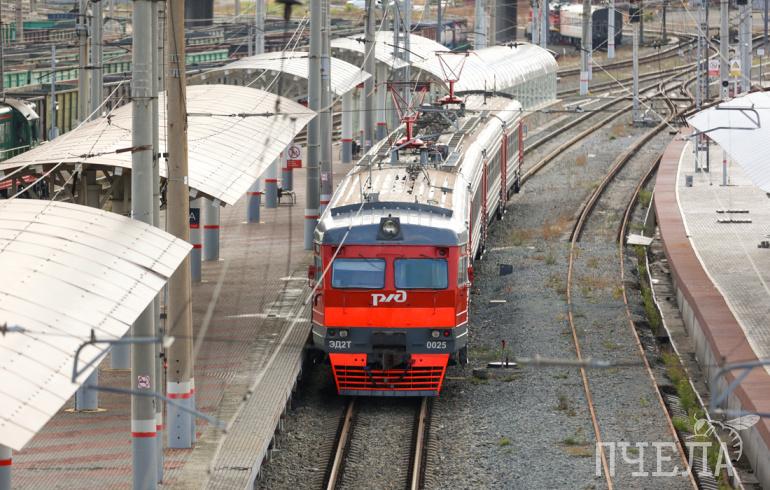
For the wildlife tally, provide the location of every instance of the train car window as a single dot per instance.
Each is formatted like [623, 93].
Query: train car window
[421, 274]
[358, 274]
[462, 271]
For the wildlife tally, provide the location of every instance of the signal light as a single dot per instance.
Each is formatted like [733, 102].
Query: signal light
[447, 333]
[332, 332]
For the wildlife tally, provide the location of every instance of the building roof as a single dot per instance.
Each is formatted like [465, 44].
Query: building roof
[496, 67]
[420, 48]
[741, 127]
[230, 141]
[344, 76]
[68, 270]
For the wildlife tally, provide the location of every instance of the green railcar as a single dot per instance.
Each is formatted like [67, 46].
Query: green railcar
[19, 127]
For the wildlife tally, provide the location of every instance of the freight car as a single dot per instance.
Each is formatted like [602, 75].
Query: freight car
[565, 24]
[393, 251]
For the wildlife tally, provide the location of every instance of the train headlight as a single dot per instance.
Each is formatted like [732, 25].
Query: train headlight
[435, 334]
[390, 229]
[343, 333]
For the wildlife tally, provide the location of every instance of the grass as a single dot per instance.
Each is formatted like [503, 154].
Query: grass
[550, 258]
[518, 237]
[645, 197]
[617, 292]
[650, 308]
[563, 404]
[504, 441]
[610, 345]
[593, 262]
[557, 283]
[581, 160]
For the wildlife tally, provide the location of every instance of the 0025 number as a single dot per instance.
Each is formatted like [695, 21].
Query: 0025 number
[436, 344]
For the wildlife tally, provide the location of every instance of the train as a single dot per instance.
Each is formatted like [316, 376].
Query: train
[565, 25]
[19, 131]
[393, 251]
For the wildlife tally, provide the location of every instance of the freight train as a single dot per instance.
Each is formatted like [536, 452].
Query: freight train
[393, 251]
[565, 25]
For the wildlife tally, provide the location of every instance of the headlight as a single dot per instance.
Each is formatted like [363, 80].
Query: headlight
[390, 229]
[435, 334]
[343, 333]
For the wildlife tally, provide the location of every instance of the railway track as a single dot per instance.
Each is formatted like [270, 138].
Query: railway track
[368, 416]
[585, 214]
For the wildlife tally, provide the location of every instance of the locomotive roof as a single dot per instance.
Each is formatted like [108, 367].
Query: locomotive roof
[425, 194]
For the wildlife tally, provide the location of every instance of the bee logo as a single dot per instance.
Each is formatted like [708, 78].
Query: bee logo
[732, 428]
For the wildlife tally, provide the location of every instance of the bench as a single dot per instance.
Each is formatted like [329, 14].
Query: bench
[287, 193]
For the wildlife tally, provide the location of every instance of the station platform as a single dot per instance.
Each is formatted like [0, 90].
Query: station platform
[250, 330]
[711, 235]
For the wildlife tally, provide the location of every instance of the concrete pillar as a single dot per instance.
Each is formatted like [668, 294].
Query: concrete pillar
[5, 467]
[211, 230]
[271, 184]
[347, 127]
[179, 422]
[195, 239]
[254, 197]
[361, 117]
[287, 177]
[120, 355]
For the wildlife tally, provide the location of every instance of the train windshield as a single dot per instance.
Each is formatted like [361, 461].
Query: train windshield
[358, 273]
[421, 274]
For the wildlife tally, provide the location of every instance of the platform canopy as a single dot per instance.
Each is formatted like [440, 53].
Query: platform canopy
[741, 127]
[344, 76]
[497, 67]
[420, 48]
[233, 136]
[68, 270]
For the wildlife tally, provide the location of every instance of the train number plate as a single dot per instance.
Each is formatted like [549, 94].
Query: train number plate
[436, 344]
[340, 344]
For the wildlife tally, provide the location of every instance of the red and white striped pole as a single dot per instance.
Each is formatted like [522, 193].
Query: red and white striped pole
[254, 200]
[211, 230]
[271, 184]
[179, 421]
[347, 127]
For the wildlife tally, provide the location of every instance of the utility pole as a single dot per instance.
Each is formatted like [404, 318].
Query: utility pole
[19, 23]
[82, 32]
[480, 25]
[157, 26]
[611, 31]
[636, 26]
[665, 33]
[369, 65]
[699, 75]
[585, 48]
[314, 129]
[54, 131]
[440, 22]
[179, 376]
[535, 22]
[406, 53]
[724, 49]
[237, 9]
[544, 28]
[641, 22]
[143, 432]
[326, 114]
[492, 27]
[746, 44]
[254, 194]
[97, 74]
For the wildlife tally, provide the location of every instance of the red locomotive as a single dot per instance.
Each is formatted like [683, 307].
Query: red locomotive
[397, 240]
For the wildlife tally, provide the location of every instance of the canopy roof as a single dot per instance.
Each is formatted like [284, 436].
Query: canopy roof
[344, 76]
[67, 270]
[232, 136]
[741, 127]
[496, 67]
[420, 48]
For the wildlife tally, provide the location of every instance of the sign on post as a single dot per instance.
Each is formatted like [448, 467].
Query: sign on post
[294, 156]
[735, 68]
[195, 216]
[714, 67]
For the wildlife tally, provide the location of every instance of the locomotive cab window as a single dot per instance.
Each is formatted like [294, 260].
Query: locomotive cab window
[421, 274]
[358, 274]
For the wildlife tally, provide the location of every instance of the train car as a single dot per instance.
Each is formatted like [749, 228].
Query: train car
[571, 25]
[393, 250]
[19, 127]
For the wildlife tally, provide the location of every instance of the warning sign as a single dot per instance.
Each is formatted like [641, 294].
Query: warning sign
[294, 156]
[143, 382]
[195, 216]
[735, 68]
[714, 68]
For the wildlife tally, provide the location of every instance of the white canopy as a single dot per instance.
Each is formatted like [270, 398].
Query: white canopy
[420, 48]
[232, 138]
[741, 127]
[67, 270]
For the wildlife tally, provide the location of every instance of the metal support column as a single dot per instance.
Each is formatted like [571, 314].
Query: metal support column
[382, 92]
[143, 432]
[635, 73]
[611, 31]
[492, 26]
[271, 184]
[535, 27]
[254, 195]
[287, 173]
[97, 75]
[211, 230]
[327, 175]
[83, 76]
[53, 132]
[158, 12]
[544, 26]
[746, 47]
[347, 127]
[480, 25]
[585, 48]
[369, 64]
[179, 377]
[724, 49]
[6, 461]
[312, 188]
[439, 22]
[195, 239]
